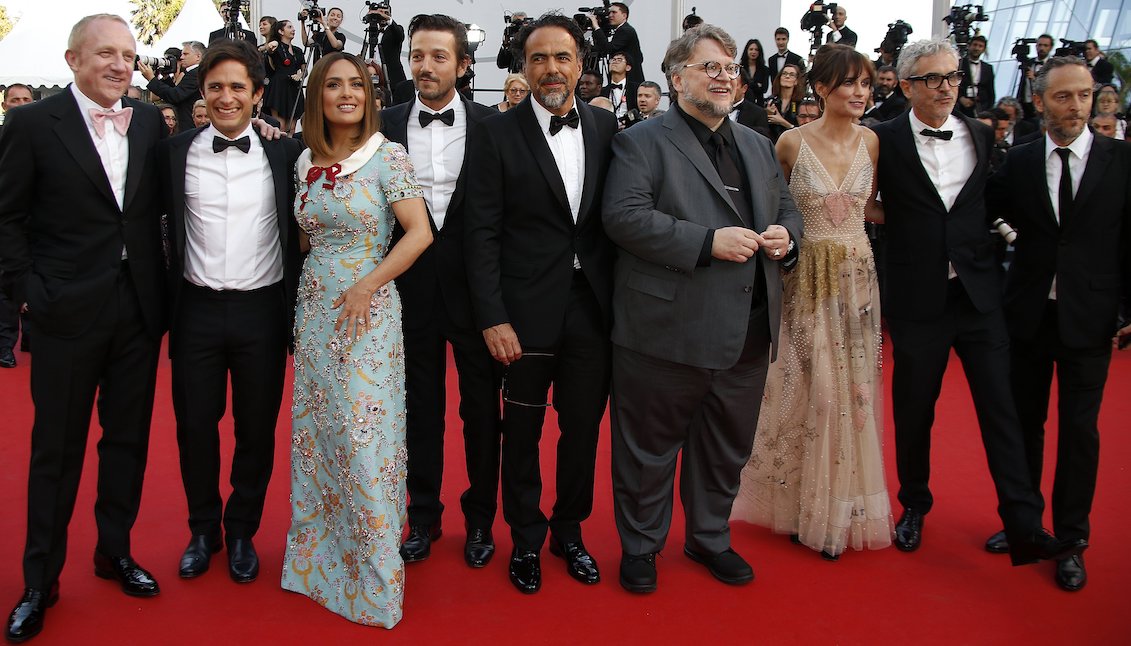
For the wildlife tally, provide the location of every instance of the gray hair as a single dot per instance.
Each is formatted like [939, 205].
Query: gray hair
[912, 52]
[195, 45]
[1041, 83]
[679, 50]
[78, 32]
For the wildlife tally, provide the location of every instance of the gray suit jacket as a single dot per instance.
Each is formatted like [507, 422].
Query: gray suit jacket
[662, 195]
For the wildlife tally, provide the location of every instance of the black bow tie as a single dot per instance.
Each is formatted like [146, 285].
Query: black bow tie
[447, 117]
[945, 135]
[219, 144]
[557, 123]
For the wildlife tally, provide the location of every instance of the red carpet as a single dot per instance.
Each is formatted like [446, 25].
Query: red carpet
[948, 592]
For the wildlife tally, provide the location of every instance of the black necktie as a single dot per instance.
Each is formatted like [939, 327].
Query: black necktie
[220, 143]
[557, 123]
[1065, 196]
[728, 171]
[945, 135]
[447, 117]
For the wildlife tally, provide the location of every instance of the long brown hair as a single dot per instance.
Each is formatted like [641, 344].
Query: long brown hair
[798, 91]
[315, 130]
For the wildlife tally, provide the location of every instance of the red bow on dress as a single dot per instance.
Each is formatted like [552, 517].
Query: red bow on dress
[312, 176]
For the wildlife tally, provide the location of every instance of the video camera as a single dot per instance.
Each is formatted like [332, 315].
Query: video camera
[230, 9]
[961, 18]
[1020, 51]
[310, 10]
[514, 25]
[372, 14]
[1070, 48]
[895, 39]
[818, 16]
[164, 65]
[601, 13]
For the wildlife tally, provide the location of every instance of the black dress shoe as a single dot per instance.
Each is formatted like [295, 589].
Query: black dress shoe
[478, 548]
[135, 581]
[26, 619]
[909, 531]
[198, 555]
[243, 562]
[1070, 573]
[418, 545]
[526, 571]
[727, 566]
[829, 556]
[1043, 546]
[579, 563]
[7, 358]
[998, 543]
[638, 572]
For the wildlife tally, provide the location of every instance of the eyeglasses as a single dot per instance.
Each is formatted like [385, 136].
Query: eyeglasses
[714, 69]
[517, 90]
[789, 75]
[935, 81]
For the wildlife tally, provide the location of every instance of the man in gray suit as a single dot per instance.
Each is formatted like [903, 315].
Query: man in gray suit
[696, 307]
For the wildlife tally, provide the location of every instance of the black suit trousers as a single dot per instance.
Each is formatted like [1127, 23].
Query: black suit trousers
[660, 408]
[920, 350]
[1081, 375]
[116, 358]
[426, 363]
[216, 334]
[578, 368]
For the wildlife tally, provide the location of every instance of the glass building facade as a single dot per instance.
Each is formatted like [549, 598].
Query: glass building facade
[1107, 21]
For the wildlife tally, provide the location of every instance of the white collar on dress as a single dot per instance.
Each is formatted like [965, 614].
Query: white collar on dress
[350, 164]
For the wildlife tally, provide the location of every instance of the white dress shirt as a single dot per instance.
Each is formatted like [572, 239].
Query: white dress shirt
[1077, 162]
[568, 149]
[113, 148]
[437, 155]
[231, 225]
[949, 164]
[618, 97]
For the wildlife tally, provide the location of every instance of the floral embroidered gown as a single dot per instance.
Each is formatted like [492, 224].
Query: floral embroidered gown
[817, 469]
[348, 457]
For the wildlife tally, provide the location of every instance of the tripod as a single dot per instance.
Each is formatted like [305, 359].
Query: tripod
[315, 47]
[370, 43]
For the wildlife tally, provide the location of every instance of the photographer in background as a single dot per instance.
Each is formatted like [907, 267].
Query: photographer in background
[390, 40]
[840, 34]
[623, 38]
[976, 93]
[506, 59]
[186, 87]
[326, 38]
[1031, 67]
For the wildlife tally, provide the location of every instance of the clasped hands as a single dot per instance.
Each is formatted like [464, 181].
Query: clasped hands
[739, 244]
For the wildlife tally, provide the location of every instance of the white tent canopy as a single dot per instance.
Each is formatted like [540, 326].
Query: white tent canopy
[197, 19]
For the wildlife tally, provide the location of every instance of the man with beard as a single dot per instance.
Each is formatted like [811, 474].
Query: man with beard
[696, 309]
[888, 100]
[1064, 290]
[539, 267]
[436, 308]
[1025, 88]
[976, 94]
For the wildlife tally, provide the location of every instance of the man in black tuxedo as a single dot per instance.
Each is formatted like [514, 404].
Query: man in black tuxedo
[976, 93]
[943, 292]
[840, 34]
[186, 89]
[390, 40]
[11, 320]
[744, 111]
[1102, 70]
[1069, 198]
[80, 250]
[539, 267]
[623, 38]
[620, 91]
[436, 307]
[783, 56]
[232, 281]
[1025, 86]
[696, 307]
[887, 97]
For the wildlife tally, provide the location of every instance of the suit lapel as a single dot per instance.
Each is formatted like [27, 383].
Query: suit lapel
[139, 147]
[536, 141]
[904, 143]
[76, 138]
[178, 162]
[592, 158]
[281, 176]
[396, 122]
[473, 119]
[1034, 164]
[685, 142]
[1098, 159]
[755, 177]
[981, 160]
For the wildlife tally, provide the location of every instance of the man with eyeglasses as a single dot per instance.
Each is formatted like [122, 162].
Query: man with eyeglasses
[620, 90]
[696, 307]
[808, 112]
[943, 293]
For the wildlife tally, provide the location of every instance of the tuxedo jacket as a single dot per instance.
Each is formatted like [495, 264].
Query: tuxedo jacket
[281, 155]
[442, 264]
[1087, 254]
[1103, 71]
[847, 37]
[790, 57]
[625, 39]
[663, 196]
[986, 94]
[753, 116]
[521, 238]
[61, 230]
[391, 41]
[181, 96]
[922, 236]
[630, 89]
[892, 107]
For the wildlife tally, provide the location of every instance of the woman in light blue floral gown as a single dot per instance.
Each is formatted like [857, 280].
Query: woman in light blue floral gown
[348, 443]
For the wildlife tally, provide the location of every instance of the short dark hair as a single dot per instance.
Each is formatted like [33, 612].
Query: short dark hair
[1041, 83]
[338, 9]
[239, 51]
[590, 72]
[1049, 36]
[654, 85]
[24, 86]
[1093, 43]
[440, 22]
[988, 114]
[622, 6]
[887, 68]
[551, 19]
[781, 30]
[981, 39]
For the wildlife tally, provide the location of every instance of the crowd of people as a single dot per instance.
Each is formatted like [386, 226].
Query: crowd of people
[703, 272]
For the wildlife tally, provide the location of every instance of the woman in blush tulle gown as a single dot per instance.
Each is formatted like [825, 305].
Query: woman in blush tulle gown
[348, 456]
[816, 471]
